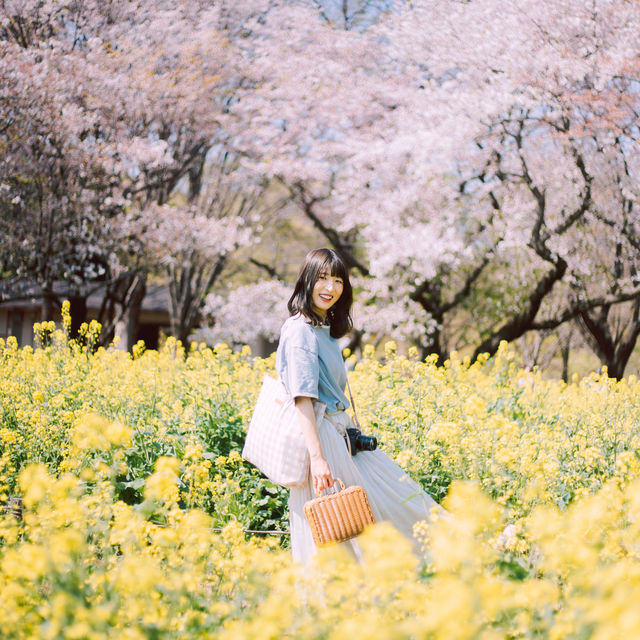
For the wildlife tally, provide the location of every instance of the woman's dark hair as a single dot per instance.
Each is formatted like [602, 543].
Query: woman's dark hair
[301, 301]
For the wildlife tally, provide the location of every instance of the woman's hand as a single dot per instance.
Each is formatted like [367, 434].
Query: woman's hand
[321, 474]
[320, 470]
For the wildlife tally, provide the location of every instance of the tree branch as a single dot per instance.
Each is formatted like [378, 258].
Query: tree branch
[582, 307]
[265, 267]
[342, 246]
[466, 288]
[522, 322]
[586, 196]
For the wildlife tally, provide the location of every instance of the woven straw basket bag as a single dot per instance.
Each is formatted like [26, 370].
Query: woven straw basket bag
[339, 516]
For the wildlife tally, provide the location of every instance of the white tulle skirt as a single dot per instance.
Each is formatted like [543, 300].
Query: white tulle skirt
[392, 494]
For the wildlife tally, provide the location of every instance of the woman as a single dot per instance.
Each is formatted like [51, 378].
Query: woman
[310, 365]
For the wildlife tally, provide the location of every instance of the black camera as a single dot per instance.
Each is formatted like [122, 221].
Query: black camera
[357, 441]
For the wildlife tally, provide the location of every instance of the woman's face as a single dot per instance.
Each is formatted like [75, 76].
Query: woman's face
[326, 292]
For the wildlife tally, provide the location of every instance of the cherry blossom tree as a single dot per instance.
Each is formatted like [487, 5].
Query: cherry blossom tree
[246, 313]
[476, 162]
[193, 242]
[107, 107]
[57, 197]
[451, 161]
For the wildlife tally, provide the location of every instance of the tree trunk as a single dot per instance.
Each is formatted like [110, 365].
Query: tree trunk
[187, 289]
[49, 309]
[127, 327]
[613, 350]
[120, 309]
[564, 352]
[78, 313]
[355, 340]
[522, 322]
[434, 346]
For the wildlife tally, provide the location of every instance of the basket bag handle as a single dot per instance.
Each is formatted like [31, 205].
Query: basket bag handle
[332, 487]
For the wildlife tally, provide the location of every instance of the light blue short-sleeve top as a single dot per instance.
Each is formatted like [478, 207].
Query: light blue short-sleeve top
[309, 363]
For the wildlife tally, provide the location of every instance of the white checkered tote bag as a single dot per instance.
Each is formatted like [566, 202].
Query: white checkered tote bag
[274, 441]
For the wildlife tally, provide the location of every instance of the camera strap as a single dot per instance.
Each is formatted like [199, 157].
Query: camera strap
[353, 404]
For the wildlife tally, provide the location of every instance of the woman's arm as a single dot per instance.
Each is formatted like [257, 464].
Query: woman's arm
[320, 470]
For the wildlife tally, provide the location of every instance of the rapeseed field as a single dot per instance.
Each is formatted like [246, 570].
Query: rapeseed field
[128, 504]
